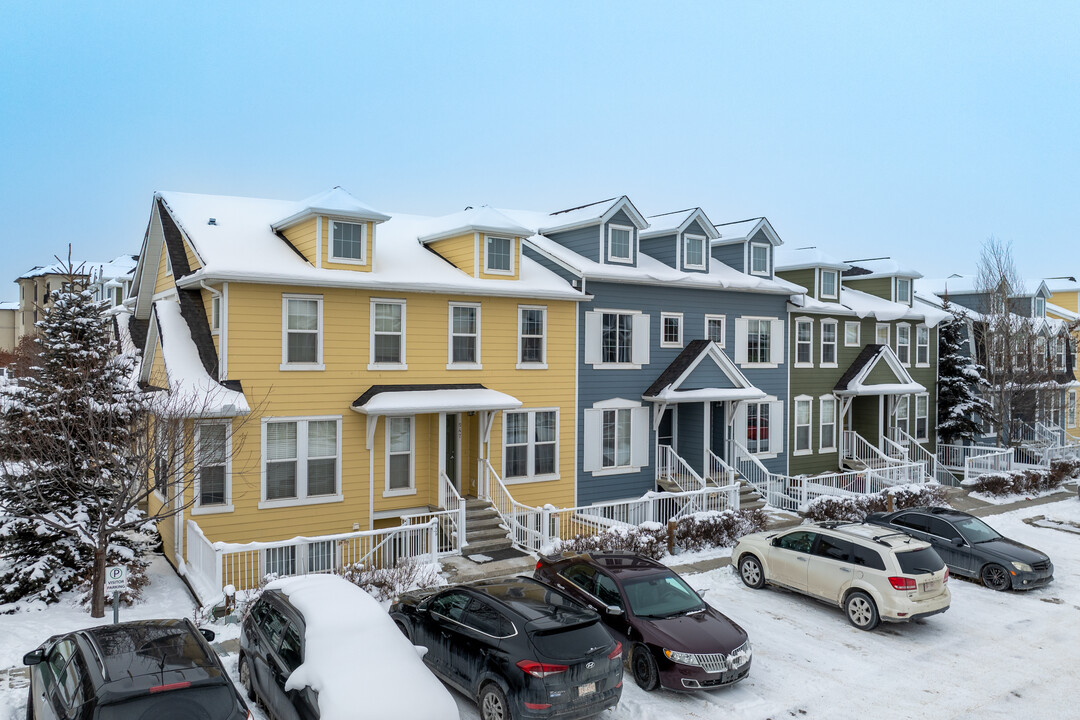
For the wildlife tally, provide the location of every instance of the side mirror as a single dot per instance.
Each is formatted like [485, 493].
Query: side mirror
[775, 542]
[34, 657]
[422, 606]
[958, 542]
[613, 610]
[208, 634]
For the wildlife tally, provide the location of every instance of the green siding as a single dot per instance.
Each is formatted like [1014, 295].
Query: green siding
[881, 287]
[800, 277]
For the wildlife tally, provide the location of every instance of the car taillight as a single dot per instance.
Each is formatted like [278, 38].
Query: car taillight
[902, 583]
[541, 670]
[616, 653]
[539, 563]
[537, 706]
[946, 575]
[170, 686]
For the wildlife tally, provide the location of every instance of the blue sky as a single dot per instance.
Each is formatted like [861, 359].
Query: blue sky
[911, 130]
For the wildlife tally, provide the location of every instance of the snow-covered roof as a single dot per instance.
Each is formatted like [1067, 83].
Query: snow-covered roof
[1062, 284]
[861, 305]
[336, 201]
[588, 214]
[355, 657]
[242, 246]
[675, 222]
[854, 381]
[970, 284]
[1050, 308]
[191, 390]
[481, 219]
[879, 267]
[737, 230]
[97, 270]
[802, 258]
[421, 402]
[13, 305]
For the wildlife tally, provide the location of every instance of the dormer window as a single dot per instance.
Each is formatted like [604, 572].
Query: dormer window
[828, 283]
[619, 239]
[759, 259]
[903, 291]
[1040, 307]
[499, 255]
[349, 241]
[694, 251]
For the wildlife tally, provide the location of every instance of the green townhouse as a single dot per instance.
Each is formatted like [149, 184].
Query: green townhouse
[863, 370]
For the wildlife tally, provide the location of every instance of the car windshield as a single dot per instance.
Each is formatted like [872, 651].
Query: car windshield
[216, 702]
[920, 562]
[661, 596]
[975, 530]
[572, 643]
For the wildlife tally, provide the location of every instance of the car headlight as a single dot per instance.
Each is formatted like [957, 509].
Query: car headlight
[1022, 567]
[681, 657]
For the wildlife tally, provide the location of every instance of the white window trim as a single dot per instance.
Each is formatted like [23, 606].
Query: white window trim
[1035, 309]
[531, 477]
[1070, 410]
[197, 508]
[616, 469]
[836, 284]
[836, 343]
[617, 365]
[750, 259]
[331, 257]
[809, 450]
[615, 258]
[903, 401]
[513, 260]
[896, 290]
[917, 363]
[215, 314]
[831, 447]
[675, 316]
[772, 344]
[619, 404]
[766, 402]
[542, 365]
[301, 464]
[450, 364]
[723, 328]
[888, 333]
[411, 490]
[795, 341]
[905, 363]
[704, 251]
[372, 365]
[168, 260]
[858, 333]
[914, 423]
[285, 364]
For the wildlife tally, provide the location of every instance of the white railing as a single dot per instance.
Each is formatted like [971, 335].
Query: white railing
[1059, 453]
[1000, 460]
[772, 486]
[894, 449]
[858, 449]
[955, 457]
[918, 453]
[720, 472]
[523, 521]
[1049, 435]
[451, 517]
[900, 474]
[203, 565]
[671, 467]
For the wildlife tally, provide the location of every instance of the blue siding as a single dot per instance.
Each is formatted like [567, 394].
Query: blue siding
[706, 375]
[691, 439]
[584, 241]
[761, 238]
[731, 255]
[661, 248]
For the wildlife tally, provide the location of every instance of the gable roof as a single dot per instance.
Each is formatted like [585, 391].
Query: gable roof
[854, 380]
[676, 222]
[743, 230]
[804, 258]
[591, 214]
[481, 219]
[870, 268]
[860, 304]
[666, 388]
[336, 202]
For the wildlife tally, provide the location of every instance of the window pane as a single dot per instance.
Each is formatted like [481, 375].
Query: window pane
[280, 480]
[303, 314]
[622, 436]
[759, 258]
[387, 348]
[620, 243]
[715, 330]
[517, 428]
[322, 477]
[348, 240]
[400, 429]
[828, 333]
[607, 435]
[532, 322]
[626, 334]
[517, 461]
[828, 411]
[851, 334]
[695, 250]
[212, 485]
[545, 427]
[671, 330]
[498, 253]
[399, 472]
[464, 348]
[388, 317]
[532, 349]
[802, 437]
[322, 438]
[280, 440]
[828, 283]
[545, 459]
[802, 412]
[212, 444]
[303, 348]
[464, 320]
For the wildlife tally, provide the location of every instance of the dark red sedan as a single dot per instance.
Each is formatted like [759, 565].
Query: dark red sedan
[675, 639]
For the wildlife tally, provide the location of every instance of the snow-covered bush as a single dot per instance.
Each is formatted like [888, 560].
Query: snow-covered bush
[702, 531]
[1022, 482]
[1065, 469]
[648, 539]
[855, 508]
[385, 583]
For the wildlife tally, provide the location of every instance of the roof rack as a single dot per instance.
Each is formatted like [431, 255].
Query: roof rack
[880, 539]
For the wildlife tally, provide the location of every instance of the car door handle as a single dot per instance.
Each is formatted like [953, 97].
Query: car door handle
[802, 559]
[845, 569]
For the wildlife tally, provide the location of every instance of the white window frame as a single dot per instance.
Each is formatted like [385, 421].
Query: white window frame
[1040, 307]
[450, 364]
[835, 344]
[808, 402]
[640, 448]
[915, 434]
[1070, 409]
[532, 476]
[664, 343]
[331, 257]
[1040, 352]
[896, 290]
[215, 314]
[616, 467]
[809, 343]
[168, 262]
[1061, 353]
[397, 492]
[198, 508]
[301, 463]
[285, 364]
[531, 365]
[777, 337]
[750, 251]
[919, 346]
[638, 320]
[877, 333]
[824, 437]
[906, 362]
[611, 257]
[487, 265]
[903, 401]
[372, 365]
[836, 284]
[723, 328]
[704, 251]
[759, 404]
[848, 324]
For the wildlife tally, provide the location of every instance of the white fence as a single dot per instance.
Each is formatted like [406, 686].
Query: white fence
[917, 453]
[1000, 460]
[670, 466]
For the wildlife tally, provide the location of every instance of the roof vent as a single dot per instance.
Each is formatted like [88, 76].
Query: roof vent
[212, 221]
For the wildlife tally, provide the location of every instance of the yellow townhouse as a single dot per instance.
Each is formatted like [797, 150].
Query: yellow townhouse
[1064, 304]
[337, 371]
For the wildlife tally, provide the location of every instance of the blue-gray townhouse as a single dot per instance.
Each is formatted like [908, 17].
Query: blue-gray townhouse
[681, 349]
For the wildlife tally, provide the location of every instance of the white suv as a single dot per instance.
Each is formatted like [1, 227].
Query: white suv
[872, 573]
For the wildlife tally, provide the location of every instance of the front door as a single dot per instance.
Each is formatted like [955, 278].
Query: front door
[718, 431]
[665, 434]
[450, 450]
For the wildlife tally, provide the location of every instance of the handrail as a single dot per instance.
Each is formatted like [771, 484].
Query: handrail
[450, 499]
[1001, 459]
[858, 448]
[919, 453]
[718, 469]
[671, 466]
[526, 523]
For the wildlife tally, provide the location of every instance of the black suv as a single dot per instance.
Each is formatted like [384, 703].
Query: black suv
[972, 548]
[160, 669]
[520, 647]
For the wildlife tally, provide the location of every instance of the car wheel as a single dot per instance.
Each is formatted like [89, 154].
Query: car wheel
[493, 704]
[404, 630]
[245, 678]
[643, 665]
[996, 577]
[861, 611]
[751, 572]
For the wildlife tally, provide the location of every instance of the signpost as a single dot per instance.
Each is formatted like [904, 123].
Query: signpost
[115, 582]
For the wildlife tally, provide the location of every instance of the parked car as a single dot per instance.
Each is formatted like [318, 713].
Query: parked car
[161, 669]
[873, 574]
[972, 548]
[674, 638]
[521, 648]
[320, 647]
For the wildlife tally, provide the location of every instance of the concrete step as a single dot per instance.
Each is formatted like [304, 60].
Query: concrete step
[483, 534]
[482, 521]
[476, 504]
[484, 546]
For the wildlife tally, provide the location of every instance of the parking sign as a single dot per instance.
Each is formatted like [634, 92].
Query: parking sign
[115, 578]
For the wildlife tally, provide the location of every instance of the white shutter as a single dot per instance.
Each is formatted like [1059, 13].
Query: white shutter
[776, 427]
[639, 354]
[740, 349]
[593, 329]
[777, 342]
[639, 436]
[592, 455]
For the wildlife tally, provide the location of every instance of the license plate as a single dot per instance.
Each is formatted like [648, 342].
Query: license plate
[586, 689]
[928, 586]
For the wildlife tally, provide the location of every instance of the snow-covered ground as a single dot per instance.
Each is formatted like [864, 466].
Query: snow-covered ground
[1008, 499]
[993, 655]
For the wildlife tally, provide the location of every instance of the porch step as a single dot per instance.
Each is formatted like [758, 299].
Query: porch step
[749, 498]
[480, 547]
[484, 531]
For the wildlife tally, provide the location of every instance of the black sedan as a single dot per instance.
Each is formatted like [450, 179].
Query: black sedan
[972, 548]
[675, 638]
[520, 647]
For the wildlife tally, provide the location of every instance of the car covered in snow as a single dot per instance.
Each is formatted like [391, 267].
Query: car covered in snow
[674, 638]
[320, 647]
[873, 573]
[160, 669]
[972, 548]
[522, 648]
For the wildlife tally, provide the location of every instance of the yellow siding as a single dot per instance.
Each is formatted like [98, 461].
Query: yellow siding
[302, 236]
[164, 280]
[1066, 300]
[368, 245]
[515, 248]
[192, 261]
[459, 251]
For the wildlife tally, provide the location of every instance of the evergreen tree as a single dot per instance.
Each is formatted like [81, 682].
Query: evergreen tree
[961, 380]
